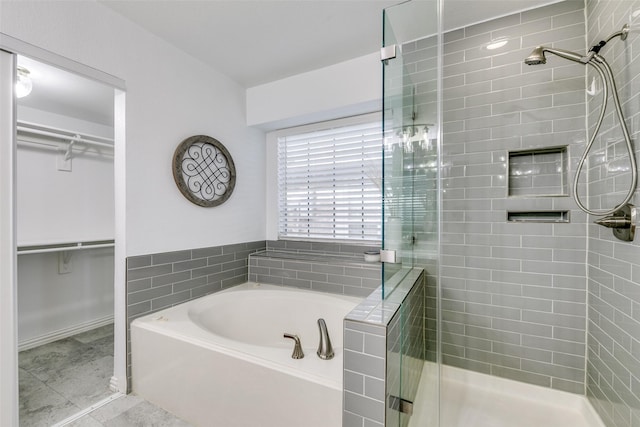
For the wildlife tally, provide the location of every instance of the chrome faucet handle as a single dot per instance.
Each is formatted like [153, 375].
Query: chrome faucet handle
[325, 350]
[297, 349]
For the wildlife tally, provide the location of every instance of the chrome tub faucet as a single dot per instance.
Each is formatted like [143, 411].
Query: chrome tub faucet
[297, 349]
[325, 350]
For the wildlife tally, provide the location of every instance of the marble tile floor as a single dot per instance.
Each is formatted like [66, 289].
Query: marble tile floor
[129, 411]
[60, 379]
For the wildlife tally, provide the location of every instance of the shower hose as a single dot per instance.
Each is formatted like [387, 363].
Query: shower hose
[601, 66]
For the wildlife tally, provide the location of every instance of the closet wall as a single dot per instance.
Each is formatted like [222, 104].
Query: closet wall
[61, 293]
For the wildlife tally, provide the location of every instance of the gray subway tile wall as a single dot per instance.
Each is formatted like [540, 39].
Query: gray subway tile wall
[534, 173]
[358, 406]
[613, 343]
[506, 285]
[382, 341]
[162, 280]
[394, 372]
[320, 266]
[421, 63]
[326, 248]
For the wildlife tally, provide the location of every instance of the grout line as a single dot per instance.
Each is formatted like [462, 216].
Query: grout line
[88, 410]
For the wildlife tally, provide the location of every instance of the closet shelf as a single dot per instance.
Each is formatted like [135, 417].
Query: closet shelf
[64, 247]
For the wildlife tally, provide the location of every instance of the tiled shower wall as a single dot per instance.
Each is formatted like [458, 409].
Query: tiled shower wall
[418, 76]
[513, 293]
[613, 368]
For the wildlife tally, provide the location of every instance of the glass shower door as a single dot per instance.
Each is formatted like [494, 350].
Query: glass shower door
[410, 208]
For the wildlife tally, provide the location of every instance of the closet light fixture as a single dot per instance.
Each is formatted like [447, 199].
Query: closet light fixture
[23, 83]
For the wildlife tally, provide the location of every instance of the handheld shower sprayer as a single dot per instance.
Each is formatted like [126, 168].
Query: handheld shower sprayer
[538, 57]
[601, 66]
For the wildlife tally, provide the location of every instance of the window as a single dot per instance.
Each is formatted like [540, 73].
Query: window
[330, 184]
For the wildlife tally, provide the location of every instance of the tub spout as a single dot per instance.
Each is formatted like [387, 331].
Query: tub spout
[325, 350]
[297, 349]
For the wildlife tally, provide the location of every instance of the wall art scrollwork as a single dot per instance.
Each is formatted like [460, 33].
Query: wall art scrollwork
[204, 171]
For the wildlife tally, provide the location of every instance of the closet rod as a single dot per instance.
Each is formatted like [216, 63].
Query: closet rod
[63, 247]
[35, 129]
[57, 130]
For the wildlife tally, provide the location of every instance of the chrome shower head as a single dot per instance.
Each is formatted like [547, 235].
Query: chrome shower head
[537, 57]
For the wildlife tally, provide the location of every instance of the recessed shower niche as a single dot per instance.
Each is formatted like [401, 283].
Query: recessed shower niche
[539, 172]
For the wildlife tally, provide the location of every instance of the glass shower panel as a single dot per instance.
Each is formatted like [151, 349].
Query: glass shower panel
[395, 191]
[410, 208]
[410, 131]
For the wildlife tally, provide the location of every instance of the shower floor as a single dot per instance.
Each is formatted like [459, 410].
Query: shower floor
[471, 399]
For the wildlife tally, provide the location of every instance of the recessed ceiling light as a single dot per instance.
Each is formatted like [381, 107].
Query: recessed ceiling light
[496, 44]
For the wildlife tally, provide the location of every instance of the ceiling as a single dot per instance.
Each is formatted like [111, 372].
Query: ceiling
[258, 41]
[254, 41]
[62, 92]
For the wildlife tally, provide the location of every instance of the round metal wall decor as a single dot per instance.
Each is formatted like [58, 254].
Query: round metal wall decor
[204, 171]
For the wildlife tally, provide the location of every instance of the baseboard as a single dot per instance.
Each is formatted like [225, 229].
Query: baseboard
[113, 384]
[64, 333]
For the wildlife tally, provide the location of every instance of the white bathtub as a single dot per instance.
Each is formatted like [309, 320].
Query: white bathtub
[222, 360]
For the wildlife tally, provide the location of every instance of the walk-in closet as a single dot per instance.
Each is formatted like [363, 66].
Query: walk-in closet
[65, 239]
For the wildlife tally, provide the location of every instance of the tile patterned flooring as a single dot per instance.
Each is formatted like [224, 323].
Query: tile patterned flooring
[60, 379]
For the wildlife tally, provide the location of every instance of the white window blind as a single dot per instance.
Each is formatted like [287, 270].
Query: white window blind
[330, 184]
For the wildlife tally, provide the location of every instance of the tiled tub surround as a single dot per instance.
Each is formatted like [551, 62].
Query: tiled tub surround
[406, 352]
[613, 360]
[513, 293]
[375, 333]
[325, 248]
[158, 281]
[340, 274]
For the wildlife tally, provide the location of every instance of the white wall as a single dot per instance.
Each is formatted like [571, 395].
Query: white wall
[341, 90]
[53, 119]
[57, 206]
[52, 305]
[170, 96]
